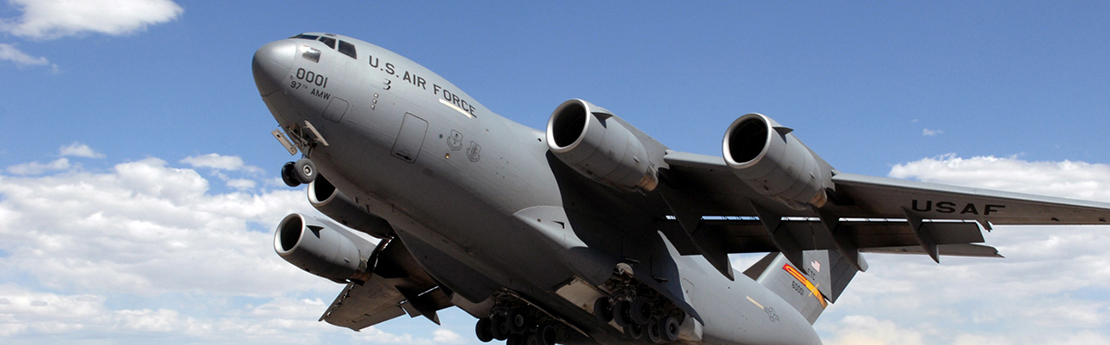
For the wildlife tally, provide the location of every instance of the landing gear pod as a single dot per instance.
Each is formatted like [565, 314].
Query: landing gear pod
[771, 160]
[589, 139]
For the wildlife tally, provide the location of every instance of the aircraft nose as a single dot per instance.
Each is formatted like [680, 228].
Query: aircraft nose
[271, 64]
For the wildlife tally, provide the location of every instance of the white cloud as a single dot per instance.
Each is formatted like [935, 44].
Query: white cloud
[241, 184]
[50, 19]
[1062, 179]
[446, 336]
[218, 162]
[92, 244]
[931, 132]
[77, 149]
[11, 53]
[132, 223]
[867, 330]
[35, 168]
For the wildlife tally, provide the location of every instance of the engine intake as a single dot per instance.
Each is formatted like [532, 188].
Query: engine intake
[322, 249]
[594, 143]
[773, 162]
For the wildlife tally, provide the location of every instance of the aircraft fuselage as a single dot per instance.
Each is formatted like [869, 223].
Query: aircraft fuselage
[483, 205]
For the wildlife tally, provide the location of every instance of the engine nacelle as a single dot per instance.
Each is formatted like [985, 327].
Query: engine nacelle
[771, 160]
[589, 139]
[322, 249]
[334, 204]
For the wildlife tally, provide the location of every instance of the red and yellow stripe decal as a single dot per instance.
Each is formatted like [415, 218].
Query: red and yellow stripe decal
[798, 275]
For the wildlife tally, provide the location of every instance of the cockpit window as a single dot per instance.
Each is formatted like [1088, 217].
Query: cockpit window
[311, 54]
[328, 41]
[307, 37]
[347, 49]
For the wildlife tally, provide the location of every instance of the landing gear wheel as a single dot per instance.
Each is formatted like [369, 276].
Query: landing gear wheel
[287, 175]
[634, 331]
[547, 335]
[655, 331]
[517, 322]
[484, 330]
[499, 328]
[621, 313]
[304, 170]
[603, 310]
[531, 339]
[670, 328]
[515, 339]
[640, 311]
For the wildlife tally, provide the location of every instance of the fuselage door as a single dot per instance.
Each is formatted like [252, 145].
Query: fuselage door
[410, 139]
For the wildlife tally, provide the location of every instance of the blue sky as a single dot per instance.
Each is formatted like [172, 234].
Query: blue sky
[138, 180]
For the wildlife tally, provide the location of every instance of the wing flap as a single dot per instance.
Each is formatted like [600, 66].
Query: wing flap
[364, 305]
[972, 250]
[749, 236]
[397, 286]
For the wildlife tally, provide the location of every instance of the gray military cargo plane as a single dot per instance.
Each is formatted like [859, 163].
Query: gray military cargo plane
[590, 231]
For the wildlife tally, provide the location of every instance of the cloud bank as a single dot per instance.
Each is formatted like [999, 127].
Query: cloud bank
[150, 252]
[51, 19]
[145, 251]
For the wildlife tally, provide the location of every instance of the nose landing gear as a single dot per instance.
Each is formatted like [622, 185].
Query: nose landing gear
[294, 174]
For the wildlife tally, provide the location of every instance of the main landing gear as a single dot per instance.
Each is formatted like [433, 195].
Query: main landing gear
[639, 317]
[519, 323]
[294, 174]
[643, 313]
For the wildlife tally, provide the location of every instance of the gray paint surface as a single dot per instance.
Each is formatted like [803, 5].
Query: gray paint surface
[485, 209]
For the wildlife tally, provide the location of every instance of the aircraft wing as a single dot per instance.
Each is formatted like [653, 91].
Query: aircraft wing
[364, 305]
[397, 286]
[716, 214]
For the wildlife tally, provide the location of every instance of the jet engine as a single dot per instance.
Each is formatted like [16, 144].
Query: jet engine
[771, 160]
[594, 143]
[322, 249]
[334, 204]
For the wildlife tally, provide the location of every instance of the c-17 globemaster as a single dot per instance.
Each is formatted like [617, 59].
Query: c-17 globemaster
[591, 231]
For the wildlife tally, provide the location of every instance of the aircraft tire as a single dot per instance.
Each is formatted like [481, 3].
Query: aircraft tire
[603, 310]
[515, 339]
[531, 339]
[621, 313]
[640, 311]
[634, 331]
[304, 170]
[654, 331]
[499, 328]
[484, 330]
[518, 323]
[670, 328]
[287, 175]
[547, 335]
